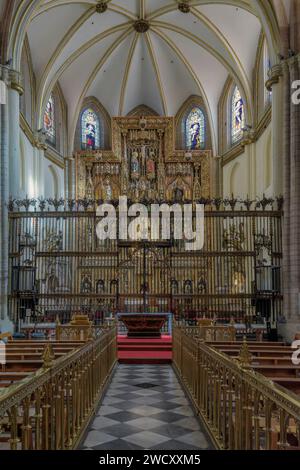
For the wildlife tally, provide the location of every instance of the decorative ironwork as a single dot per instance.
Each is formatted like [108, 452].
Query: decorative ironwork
[245, 356]
[58, 266]
[48, 356]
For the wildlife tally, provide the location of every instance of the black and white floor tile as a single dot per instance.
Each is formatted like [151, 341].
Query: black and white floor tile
[145, 408]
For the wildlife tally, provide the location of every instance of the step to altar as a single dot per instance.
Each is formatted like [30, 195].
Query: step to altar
[145, 350]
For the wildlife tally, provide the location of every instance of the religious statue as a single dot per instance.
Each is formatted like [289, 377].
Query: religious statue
[100, 286]
[135, 166]
[178, 194]
[86, 285]
[150, 166]
[107, 190]
[201, 286]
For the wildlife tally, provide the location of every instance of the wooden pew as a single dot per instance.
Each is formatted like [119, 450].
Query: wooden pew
[25, 356]
[274, 361]
[9, 378]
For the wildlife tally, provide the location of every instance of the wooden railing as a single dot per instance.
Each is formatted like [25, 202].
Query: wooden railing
[50, 409]
[241, 409]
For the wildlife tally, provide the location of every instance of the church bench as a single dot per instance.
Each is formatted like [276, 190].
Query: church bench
[28, 365]
[33, 347]
[239, 343]
[22, 342]
[260, 352]
[276, 360]
[10, 378]
[38, 350]
[290, 383]
[254, 346]
[272, 370]
[22, 355]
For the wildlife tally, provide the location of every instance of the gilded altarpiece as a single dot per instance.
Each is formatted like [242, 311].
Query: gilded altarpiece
[144, 165]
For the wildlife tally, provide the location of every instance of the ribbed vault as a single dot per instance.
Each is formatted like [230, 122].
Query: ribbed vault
[142, 52]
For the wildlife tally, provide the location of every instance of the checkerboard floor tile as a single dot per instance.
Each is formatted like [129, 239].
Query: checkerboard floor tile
[145, 408]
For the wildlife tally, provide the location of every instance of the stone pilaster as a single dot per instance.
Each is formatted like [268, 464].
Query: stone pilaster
[69, 161]
[5, 324]
[39, 155]
[14, 91]
[275, 84]
[291, 230]
[217, 183]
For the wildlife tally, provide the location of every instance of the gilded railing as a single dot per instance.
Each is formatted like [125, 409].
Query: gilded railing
[242, 409]
[212, 332]
[50, 409]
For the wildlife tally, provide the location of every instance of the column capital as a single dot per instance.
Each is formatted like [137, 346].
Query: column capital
[289, 62]
[293, 60]
[12, 78]
[274, 75]
[4, 74]
[40, 139]
[248, 136]
[16, 81]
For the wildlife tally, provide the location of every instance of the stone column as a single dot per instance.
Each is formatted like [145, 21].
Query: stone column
[5, 323]
[275, 84]
[39, 161]
[249, 149]
[291, 229]
[14, 92]
[69, 161]
[217, 183]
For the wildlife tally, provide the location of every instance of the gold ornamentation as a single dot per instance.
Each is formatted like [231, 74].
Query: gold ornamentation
[48, 356]
[150, 141]
[245, 356]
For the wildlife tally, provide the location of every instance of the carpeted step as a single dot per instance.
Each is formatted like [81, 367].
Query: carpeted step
[145, 350]
[145, 357]
[143, 347]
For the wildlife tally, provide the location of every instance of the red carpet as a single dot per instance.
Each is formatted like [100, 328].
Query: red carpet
[145, 350]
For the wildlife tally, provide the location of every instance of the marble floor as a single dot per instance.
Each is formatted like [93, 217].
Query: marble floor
[145, 408]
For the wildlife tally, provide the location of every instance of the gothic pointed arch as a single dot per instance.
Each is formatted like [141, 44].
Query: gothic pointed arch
[93, 130]
[142, 110]
[28, 82]
[192, 125]
[55, 123]
[233, 117]
[262, 96]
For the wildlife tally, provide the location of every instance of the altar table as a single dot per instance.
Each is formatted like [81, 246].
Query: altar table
[145, 325]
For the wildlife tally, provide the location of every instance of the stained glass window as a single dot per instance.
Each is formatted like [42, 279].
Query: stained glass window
[90, 130]
[267, 67]
[237, 116]
[195, 130]
[49, 120]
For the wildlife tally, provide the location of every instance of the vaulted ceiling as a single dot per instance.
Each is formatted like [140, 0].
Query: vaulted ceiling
[177, 55]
